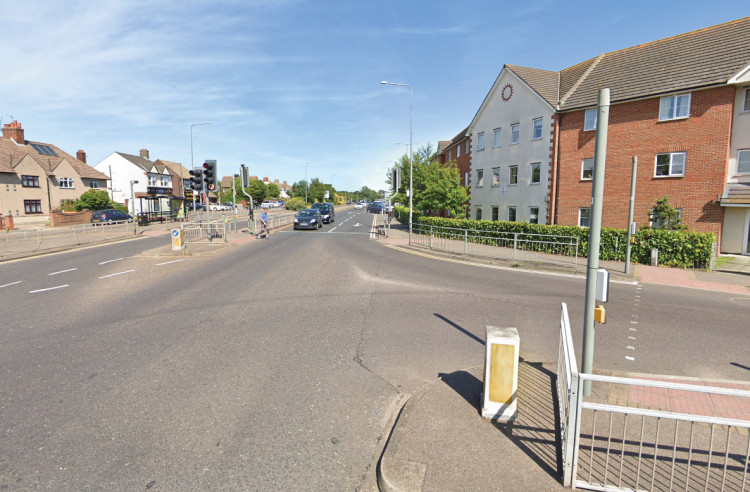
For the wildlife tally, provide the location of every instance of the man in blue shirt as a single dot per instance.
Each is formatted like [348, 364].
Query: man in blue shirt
[264, 223]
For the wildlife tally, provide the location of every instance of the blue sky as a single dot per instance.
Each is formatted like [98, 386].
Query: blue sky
[287, 82]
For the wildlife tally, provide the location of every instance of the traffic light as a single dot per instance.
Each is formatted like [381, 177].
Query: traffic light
[396, 179]
[196, 179]
[209, 176]
[245, 175]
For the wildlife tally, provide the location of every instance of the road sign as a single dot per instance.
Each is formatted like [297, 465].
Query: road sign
[177, 240]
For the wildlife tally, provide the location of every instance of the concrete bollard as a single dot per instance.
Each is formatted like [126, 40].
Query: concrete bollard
[500, 374]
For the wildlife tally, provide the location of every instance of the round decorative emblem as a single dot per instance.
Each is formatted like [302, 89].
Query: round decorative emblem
[507, 92]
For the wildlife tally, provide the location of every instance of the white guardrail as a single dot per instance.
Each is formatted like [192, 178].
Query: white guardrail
[55, 237]
[626, 447]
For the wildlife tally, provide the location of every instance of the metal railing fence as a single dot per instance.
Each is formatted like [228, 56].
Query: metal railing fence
[195, 232]
[56, 237]
[511, 246]
[626, 447]
[567, 393]
[275, 221]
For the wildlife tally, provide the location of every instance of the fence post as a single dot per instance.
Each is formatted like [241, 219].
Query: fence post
[515, 245]
[466, 239]
[431, 236]
[225, 231]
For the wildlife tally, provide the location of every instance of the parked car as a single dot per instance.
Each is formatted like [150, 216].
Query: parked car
[326, 211]
[308, 218]
[266, 204]
[109, 216]
[359, 205]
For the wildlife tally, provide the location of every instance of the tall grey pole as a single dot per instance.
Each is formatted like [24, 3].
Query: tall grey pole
[595, 232]
[630, 213]
[132, 199]
[306, 184]
[192, 165]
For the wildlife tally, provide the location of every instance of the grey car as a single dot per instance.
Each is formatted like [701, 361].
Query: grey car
[308, 218]
[326, 211]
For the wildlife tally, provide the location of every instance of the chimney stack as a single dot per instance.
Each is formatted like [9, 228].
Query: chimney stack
[13, 130]
[144, 153]
[81, 156]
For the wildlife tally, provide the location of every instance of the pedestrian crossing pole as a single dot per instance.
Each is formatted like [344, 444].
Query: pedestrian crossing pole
[595, 232]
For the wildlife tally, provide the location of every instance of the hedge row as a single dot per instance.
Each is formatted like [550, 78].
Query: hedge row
[685, 249]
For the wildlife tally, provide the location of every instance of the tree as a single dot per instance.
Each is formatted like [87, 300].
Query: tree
[442, 190]
[664, 216]
[257, 190]
[273, 191]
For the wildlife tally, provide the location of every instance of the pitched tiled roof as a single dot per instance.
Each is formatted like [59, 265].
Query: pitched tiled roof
[175, 167]
[543, 82]
[703, 58]
[139, 161]
[11, 153]
[226, 182]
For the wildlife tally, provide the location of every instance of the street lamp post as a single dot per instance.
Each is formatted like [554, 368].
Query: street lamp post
[306, 183]
[411, 143]
[192, 166]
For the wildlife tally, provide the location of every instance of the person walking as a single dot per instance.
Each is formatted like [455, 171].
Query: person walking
[264, 223]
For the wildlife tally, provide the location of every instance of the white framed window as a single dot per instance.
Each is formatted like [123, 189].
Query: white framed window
[466, 179]
[94, 185]
[536, 132]
[536, 172]
[674, 107]
[152, 180]
[743, 161]
[495, 176]
[480, 178]
[533, 215]
[587, 169]
[164, 181]
[589, 121]
[450, 154]
[670, 164]
[480, 141]
[478, 214]
[458, 151]
[584, 216]
[515, 133]
[513, 176]
[495, 213]
[497, 137]
[66, 183]
[511, 214]
[746, 106]
[466, 150]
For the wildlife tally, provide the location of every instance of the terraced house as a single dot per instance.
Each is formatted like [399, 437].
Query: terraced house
[36, 177]
[679, 105]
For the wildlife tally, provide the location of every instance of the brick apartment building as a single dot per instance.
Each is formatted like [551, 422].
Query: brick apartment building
[458, 150]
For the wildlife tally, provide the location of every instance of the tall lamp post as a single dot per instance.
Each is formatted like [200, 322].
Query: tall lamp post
[192, 166]
[307, 185]
[411, 143]
[132, 200]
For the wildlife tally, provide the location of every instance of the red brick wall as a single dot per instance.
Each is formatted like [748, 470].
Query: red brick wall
[634, 130]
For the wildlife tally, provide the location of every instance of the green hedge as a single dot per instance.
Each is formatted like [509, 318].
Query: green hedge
[685, 249]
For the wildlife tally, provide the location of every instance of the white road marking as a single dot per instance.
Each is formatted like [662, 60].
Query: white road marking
[168, 262]
[633, 329]
[50, 288]
[110, 261]
[633, 322]
[629, 358]
[63, 271]
[631, 338]
[12, 283]
[115, 274]
[630, 347]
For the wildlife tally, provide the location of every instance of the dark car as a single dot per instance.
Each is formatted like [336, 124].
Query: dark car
[109, 216]
[377, 207]
[308, 218]
[326, 211]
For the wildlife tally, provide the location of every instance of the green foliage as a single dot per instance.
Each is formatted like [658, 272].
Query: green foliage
[272, 191]
[257, 190]
[90, 200]
[665, 216]
[442, 189]
[295, 203]
[685, 249]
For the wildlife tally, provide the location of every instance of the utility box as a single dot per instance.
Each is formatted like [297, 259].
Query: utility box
[654, 257]
[500, 374]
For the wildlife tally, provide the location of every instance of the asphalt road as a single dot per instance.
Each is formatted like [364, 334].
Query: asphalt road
[279, 363]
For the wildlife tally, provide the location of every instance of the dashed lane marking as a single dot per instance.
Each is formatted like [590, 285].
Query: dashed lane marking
[49, 288]
[168, 262]
[12, 283]
[63, 271]
[116, 274]
[110, 261]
